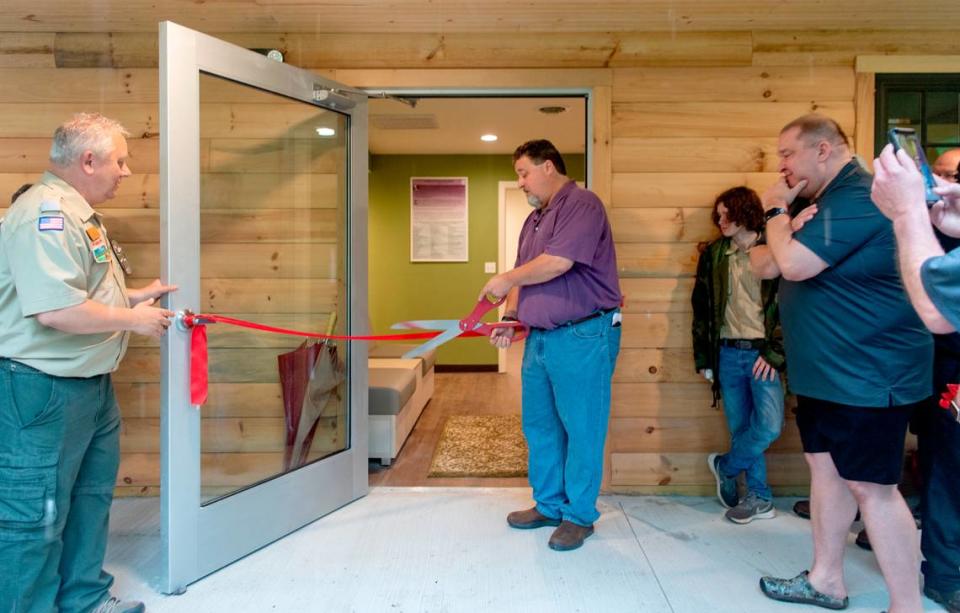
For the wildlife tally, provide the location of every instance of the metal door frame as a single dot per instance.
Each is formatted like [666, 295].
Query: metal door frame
[198, 540]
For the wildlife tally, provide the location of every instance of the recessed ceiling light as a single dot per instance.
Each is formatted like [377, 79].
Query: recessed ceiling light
[326, 132]
[488, 138]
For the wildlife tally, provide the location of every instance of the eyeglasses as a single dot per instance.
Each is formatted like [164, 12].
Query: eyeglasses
[121, 257]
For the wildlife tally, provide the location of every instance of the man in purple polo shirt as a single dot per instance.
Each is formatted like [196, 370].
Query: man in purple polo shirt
[565, 287]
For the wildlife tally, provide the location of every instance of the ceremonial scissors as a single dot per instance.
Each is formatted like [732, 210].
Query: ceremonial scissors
[468, 326]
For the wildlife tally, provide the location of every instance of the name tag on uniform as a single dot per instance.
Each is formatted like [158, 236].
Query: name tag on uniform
[50, 223]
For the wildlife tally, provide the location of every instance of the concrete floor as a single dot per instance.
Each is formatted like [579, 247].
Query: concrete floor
[449, 549]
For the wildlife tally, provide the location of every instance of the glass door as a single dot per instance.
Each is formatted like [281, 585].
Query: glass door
[263, 218]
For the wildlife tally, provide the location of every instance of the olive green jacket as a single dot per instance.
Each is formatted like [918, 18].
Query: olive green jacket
[709, 303]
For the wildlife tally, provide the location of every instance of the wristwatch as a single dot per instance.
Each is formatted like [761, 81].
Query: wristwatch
[771, 213]
[509, 318]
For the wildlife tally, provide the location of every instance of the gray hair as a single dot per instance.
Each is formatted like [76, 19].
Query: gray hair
[84, 132]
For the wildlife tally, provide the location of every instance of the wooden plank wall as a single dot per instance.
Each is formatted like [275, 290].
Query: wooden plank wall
[683, 117]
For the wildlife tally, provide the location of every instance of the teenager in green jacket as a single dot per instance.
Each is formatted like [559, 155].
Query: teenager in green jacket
[737, 347]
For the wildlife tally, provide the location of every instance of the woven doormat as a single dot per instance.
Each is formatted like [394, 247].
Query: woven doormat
[480, 446]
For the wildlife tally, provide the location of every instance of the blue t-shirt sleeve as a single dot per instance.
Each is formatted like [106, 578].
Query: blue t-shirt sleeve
[841, 228]
[941, 281]
[578, 230]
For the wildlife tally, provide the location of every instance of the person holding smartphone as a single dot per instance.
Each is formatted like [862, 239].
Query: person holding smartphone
[932, 279]
[858, 358]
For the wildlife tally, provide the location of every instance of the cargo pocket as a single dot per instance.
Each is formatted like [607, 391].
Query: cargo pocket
[28, 488]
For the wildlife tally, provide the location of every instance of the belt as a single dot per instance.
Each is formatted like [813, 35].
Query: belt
[742, 343]
[580, 320]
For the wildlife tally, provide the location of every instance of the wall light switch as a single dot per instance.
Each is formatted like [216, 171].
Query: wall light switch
[490, 267]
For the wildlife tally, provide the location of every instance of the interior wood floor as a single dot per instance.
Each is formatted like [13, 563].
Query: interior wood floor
[455, 393]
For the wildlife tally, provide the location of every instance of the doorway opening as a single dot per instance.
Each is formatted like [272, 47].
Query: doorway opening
[437, 136]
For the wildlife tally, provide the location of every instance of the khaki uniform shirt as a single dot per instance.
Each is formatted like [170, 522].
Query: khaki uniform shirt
[55, 253]
[743, 317]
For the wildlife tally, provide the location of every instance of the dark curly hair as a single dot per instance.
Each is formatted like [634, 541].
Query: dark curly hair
[743, 208]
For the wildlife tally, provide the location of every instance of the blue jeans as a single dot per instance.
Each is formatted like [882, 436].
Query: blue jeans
[754, 411]
[59, 455]
[566, 403]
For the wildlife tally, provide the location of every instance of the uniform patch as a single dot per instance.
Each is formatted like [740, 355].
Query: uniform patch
[51, 223]
[99, 250]
[49, 206]
[93, 233]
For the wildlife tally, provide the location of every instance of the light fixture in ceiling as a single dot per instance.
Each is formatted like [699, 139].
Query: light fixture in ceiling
[489, 138]
[326, 132]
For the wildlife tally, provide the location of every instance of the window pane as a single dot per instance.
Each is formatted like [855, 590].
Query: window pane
[903, 110]
[943, 123]
[273, 243]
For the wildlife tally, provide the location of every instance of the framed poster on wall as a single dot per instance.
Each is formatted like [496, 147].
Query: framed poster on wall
[438, 219]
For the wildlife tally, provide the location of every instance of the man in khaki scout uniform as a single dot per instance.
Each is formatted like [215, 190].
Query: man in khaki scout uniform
[65, 318]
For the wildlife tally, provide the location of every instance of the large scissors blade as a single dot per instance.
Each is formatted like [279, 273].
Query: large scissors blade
[433, 343]
[427, 324]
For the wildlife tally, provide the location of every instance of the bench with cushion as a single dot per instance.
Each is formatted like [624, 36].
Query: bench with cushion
[399, 390]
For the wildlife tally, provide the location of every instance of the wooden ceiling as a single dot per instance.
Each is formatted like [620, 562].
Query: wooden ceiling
[480, 16]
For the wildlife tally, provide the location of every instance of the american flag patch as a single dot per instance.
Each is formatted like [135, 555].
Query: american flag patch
[45, 224]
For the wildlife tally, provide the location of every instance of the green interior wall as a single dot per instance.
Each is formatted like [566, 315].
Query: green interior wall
[400, 289]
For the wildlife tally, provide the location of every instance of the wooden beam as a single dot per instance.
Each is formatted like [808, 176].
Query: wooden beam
[655, 366]
[783, 469]
[548, 49]
[636, 154]
[732, 119]
[656, 330]
[655, 295]
[233, 226]
[662, 400]
[494, 16]
[808, 50]
[20, 49]
[865, 104]
[909, 63]
[732, 84]
[657, 259]
[683, 188]
[666, 225]
[602, 143]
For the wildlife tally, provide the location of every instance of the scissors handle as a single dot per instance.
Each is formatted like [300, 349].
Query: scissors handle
[484, 306]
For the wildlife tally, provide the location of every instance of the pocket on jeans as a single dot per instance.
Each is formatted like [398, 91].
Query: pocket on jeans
[28, 487]
[592, 328]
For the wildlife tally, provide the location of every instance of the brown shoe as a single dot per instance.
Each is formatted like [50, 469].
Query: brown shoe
[569, 536]
[531, 518]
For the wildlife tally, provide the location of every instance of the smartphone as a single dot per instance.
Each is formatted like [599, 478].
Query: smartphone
[906, 139]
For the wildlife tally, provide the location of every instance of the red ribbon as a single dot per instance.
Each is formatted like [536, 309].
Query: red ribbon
[198, 365]
[198, 344]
